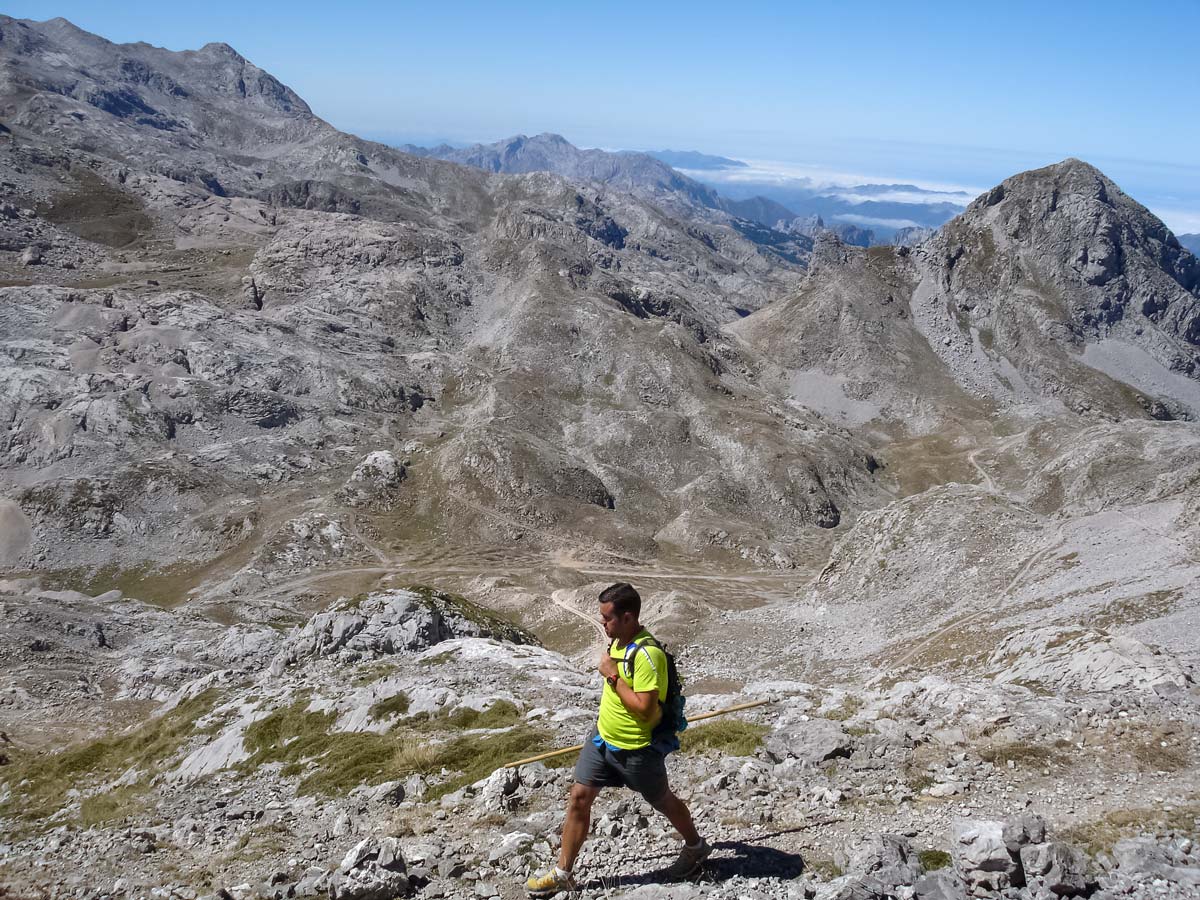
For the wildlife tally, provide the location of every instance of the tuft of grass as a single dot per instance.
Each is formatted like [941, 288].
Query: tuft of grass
[396, 705]
[438, 658]
[1150, 755]
[918, 783]
[825, 869]
[287, 735]
[372, 672]
[476, 756]
[850, 705]
[933, 860]
[38, 785]
[730, 736]
[1021, 753]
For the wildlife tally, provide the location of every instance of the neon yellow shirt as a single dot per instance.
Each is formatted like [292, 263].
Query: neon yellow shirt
[617, 725]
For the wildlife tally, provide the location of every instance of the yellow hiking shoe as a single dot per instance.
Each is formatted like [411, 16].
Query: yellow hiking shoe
[549, 883]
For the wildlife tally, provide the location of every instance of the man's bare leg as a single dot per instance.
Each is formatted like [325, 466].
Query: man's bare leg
[678, 815]
[579, 819]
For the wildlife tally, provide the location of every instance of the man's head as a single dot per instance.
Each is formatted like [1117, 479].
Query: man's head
[620, 606]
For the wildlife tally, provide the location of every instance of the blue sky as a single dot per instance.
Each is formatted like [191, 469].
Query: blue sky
[954, 93]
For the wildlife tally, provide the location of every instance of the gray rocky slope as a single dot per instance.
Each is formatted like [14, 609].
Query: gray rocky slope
[251, 365]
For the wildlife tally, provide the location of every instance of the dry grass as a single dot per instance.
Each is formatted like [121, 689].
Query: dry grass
[850, 705]
[1024, 753]
[730, 737]
[1102, 835]
[1133, 610]
[825, 869]
[113, 806]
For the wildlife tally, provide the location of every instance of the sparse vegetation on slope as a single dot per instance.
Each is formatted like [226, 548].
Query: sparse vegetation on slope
[39, 784]
[334, 762]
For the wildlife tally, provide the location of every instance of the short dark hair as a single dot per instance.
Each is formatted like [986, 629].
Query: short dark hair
[623, 598]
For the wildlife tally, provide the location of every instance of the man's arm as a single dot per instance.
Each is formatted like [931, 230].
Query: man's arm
[642, 704]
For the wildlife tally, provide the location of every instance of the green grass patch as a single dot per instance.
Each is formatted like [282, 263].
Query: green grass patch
[933, 860]
[396, 705]
[39, 784]
[166, 586]
[337, 762]
[476, 756]
[501, 714]
[730, 736]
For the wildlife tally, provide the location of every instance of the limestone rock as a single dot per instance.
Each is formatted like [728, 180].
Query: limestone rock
[809, 742]
[982, 858]
[1055, 867]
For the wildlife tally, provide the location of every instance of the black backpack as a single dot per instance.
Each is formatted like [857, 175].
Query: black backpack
[665, 736]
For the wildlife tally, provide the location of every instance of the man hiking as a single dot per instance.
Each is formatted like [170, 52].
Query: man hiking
[618, 751]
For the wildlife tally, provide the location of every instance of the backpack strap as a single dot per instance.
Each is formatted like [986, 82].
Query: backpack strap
[631, 655]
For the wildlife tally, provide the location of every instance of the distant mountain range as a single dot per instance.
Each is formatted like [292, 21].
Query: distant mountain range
[640, 174]
[1191, 242]
[863, 215]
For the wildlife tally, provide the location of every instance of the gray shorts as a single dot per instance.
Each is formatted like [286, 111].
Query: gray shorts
[644, 770]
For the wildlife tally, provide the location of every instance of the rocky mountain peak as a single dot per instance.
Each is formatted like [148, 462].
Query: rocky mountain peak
[1071, 218]
[1072, 206]
[220, 48]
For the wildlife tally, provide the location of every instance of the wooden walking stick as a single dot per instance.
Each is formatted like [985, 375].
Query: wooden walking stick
[708, 715]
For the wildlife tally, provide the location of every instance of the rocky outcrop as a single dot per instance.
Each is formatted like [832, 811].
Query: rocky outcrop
[389, 622]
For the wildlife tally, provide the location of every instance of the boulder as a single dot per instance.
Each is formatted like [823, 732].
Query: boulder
[1027, 828]
[809, 742]
[393, 621]
[379, 467]
[373, 869]
[982, 858]
[887, 857]
[943, 884]
[499, 791]
[1146, 857]
[1055, 867]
